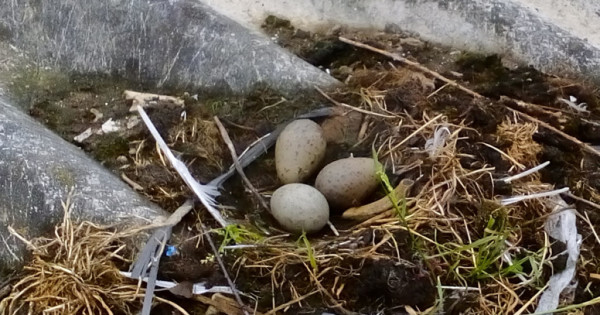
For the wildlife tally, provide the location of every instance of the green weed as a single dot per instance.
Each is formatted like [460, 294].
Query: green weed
[303, 241]
[236, 234]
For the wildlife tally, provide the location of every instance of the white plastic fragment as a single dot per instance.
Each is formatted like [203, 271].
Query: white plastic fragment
[206, 193]
[199, 288]
[561, 225]
[110, 126]
[84, 135]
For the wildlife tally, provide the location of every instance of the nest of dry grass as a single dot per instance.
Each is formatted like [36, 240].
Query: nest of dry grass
[450, 245]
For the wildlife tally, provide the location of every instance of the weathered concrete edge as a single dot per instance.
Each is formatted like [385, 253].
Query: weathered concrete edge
[38, 171]
[505, 27]
[179, 44]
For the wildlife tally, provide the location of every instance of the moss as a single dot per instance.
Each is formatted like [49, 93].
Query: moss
[261, 106]
[31, 85]
[109, 146]
[273, 22]
[55, 116]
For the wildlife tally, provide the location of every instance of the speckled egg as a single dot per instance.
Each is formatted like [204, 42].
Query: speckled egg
[299, 150]
[346, 182]
[299, 207]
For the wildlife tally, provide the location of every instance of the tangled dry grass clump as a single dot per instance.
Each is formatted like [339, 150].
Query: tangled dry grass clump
[75, 272]
[523, 151]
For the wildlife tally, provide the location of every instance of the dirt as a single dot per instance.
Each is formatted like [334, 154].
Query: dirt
[400, 273]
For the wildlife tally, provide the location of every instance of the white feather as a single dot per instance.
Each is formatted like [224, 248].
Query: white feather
[434, 145]
[206, 193]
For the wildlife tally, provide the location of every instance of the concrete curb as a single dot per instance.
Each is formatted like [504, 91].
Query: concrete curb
[558, 37]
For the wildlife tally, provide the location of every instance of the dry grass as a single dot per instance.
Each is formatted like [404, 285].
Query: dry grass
[75, 272]
[520, 136]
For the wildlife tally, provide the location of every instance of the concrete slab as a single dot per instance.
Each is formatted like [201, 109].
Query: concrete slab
[178, 44]
[556, 36]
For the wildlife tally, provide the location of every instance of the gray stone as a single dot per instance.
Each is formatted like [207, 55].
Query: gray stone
[163, 43]
[38, 170]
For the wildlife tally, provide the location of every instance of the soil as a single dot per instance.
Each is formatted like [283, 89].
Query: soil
[391, 279]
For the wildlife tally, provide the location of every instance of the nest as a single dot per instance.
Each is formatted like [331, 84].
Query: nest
[449, 245]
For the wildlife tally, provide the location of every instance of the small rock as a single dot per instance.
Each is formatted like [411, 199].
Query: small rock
[84, 135]
[299, 207]
[413, 42]
[132, 121]
[342, 129]
[122, 159]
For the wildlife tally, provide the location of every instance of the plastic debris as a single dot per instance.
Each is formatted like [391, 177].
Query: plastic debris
[562, 227]
[198, 288]
[170, 250]
[110, 126]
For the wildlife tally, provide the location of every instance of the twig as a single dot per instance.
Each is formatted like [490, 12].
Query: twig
[222, 266]
[506, 156]
[531, 107]
[229, 122]
[438, 90]
[414, 133]
[173, 304]
[413, 64]
[131, 183]
[587, 202]
[587, 220]
[236, 162]
[360, 110]
[148, 99]
[292, 302]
